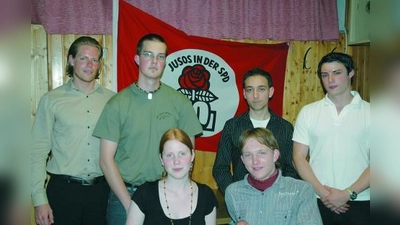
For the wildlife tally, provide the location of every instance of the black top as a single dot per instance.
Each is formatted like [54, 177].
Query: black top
[228, 149]
[147, 197]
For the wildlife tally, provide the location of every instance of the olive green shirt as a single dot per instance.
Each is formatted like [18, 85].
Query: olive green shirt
[63, 126]
[137, 123]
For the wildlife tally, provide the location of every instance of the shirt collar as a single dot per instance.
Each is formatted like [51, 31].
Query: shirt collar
[248, 185]
[355, 101]
[71, 86]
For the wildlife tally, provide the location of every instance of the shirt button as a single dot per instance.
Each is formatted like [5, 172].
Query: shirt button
[87, 111]
[88, 127]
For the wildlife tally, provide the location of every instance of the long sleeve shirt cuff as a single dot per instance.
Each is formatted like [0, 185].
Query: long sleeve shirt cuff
[39, 199]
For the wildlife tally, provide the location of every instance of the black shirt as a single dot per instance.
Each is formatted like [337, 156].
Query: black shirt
[147, 197]
[228, 149]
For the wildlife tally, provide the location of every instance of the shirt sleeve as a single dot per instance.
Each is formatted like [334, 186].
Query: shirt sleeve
[188, 119]
[139, 197]
[229, 205]
[209, 196]
[308, 213]
[40, 149]
[283, 131]
[108, 124]
[300, 133]
[222, 163]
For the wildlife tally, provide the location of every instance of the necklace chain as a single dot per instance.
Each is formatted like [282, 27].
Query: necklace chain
[149, 93]
[159, 86]
[191, 203]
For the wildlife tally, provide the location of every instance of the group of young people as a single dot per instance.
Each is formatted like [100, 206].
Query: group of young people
[126, 158]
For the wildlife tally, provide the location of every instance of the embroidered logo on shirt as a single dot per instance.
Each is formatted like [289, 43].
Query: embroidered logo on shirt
[163, 116]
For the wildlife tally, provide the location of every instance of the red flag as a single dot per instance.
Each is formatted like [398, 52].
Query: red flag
[208, 71]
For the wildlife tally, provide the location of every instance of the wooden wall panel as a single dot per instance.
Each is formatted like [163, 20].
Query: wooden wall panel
[39, 69]
[107, 78]
[202, 170]
[302, 85]
[55, 57]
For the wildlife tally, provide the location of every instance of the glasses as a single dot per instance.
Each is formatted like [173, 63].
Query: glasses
[150, 55]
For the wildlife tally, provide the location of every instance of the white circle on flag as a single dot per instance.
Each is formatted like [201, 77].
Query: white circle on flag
[208, 81]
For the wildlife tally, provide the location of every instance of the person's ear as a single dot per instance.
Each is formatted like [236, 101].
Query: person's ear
[271, 92]
[351, 74]
[276, 155]
[137, 59]
[71, 60]
[192, 159]
[159, 156]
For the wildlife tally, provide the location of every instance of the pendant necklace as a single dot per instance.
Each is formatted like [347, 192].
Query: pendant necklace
[149, 93]
[191, 203]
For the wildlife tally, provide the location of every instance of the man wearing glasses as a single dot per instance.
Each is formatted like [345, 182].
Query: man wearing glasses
[131, 125]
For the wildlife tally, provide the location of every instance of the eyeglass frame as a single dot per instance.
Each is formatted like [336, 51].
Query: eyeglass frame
[150, 55]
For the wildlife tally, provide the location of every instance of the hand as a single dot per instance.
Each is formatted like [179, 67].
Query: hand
[336, 200]
[342, 209]
[322, 192]
[44, 215]
[242, 222]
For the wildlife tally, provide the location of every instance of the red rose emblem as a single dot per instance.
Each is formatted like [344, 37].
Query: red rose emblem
[195, 77]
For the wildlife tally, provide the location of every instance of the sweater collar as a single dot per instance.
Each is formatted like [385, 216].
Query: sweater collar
[263, 185]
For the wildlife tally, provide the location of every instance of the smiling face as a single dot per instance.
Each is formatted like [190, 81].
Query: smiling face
[259, 159]
[177, 159]
[336, 79]
[85, 64]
